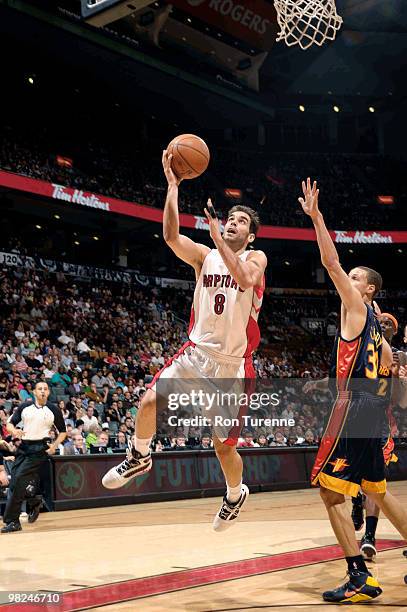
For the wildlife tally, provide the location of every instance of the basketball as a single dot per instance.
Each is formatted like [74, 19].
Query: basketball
[190, 156]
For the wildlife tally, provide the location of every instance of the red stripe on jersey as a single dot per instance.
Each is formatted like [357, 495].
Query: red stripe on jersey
[345, 360]
[249, 386]
[260, 290]
[191, 320]
[253, 336]
[169, 362]
[331, 435]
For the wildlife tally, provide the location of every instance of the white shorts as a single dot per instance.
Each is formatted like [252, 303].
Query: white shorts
[205, 371]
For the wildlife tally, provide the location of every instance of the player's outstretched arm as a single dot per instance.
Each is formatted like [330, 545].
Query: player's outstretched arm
[247, 273]
[351, 298]
[186, 249]
[320, 385]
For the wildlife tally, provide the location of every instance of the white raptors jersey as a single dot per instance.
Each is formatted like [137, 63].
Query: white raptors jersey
[223, 316]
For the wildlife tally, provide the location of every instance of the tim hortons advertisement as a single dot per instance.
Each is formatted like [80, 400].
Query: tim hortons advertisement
[78, 197]
[253, 21]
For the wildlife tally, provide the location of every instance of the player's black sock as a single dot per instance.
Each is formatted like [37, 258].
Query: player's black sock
[356, 563]
[371, 525]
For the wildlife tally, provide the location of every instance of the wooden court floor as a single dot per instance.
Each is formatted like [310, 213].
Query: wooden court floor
[279, 556]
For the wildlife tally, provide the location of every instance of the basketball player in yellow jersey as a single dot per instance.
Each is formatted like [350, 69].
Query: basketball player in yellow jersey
[346, 461]
[223, 333]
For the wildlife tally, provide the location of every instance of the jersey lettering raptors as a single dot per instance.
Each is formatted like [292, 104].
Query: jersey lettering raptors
[223, 316]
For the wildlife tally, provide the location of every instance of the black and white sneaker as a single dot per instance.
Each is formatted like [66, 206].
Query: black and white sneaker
[229, 511]
[368, 547]
[134, 465]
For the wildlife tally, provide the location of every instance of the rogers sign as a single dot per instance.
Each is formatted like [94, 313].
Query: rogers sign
[363, 237]
[253, 21]
[237, 12]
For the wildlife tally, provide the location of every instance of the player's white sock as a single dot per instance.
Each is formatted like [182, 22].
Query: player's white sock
[234, 493]
[142, 445]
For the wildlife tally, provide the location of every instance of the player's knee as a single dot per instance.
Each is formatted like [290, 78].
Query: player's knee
[331, 498]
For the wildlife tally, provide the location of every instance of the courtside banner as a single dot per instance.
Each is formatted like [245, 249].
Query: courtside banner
[78, 197]
[253, 21]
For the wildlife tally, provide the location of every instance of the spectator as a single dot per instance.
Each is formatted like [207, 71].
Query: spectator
[279, 440]
[93, 394]
[75, 387]
[309, 438]
[83, 348]
[102, 442]
[60, 378]
[78, 447]
[89, 419]
[121, 441]
[262, 441]
[206, 443]
[94, 432]
[180, 443]
[248, 441]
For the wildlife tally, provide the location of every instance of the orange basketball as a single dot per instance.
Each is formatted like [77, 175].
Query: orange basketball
[190, 156]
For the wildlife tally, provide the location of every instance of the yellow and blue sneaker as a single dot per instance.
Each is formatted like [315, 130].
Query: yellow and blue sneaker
[361, 587]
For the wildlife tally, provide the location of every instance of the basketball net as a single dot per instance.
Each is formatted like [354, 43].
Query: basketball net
[307, 22]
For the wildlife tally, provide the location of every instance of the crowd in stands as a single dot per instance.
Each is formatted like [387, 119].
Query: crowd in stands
[98, 345]
[270, 182]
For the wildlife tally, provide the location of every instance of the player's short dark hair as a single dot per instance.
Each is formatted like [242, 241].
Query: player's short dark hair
[39, 382]
[254, 217]
[373, 278]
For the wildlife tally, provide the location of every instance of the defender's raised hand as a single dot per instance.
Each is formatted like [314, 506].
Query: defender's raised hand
[213, 221]
[309, 202]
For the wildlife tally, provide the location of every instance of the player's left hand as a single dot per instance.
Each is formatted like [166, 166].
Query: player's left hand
[309, 202]
[51, 449]
[214, 224]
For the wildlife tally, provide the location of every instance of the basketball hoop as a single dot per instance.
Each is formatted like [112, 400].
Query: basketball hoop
[307, 22]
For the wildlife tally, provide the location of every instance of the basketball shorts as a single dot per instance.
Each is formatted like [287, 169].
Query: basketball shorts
[193, 369]
[351, 452]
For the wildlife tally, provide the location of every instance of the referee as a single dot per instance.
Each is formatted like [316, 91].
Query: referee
[37, 418]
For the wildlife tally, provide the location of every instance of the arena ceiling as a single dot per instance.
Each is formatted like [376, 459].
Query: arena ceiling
[368, 58]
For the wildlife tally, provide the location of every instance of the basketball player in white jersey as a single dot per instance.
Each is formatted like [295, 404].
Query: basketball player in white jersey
[223, 334]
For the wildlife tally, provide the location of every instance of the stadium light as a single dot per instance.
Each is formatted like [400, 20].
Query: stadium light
[95, 237]
[30, 80]
[301, 108]
[371, 109]
[287, 263]
[76, 242]
[399, 250]
[38, 226]
[336, 109]
[57, 217]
